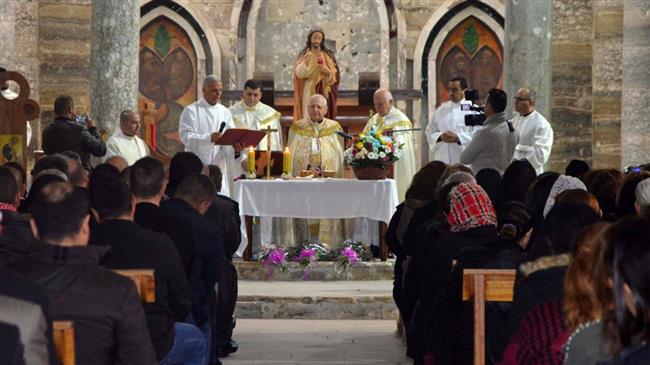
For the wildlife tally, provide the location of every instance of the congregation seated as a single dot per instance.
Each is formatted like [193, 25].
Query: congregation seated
[110, 325]
[131, 246]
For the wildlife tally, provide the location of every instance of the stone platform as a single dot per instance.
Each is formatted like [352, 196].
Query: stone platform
[318, 271]
[370, 299]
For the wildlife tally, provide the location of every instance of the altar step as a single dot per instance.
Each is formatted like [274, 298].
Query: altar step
[370, 299]
[318, 271]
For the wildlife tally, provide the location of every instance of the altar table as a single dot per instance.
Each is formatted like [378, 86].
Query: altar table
[317, 199]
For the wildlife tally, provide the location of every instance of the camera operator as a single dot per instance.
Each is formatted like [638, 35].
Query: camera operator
[494, 143]
[447, 133]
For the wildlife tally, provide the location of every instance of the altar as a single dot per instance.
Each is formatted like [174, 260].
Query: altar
[318, 199]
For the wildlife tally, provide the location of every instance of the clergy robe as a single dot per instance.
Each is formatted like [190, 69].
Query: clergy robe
[131, 148]
[535, 139]
[448, 117]
[197, 123]
[405, 167]
[308, 81]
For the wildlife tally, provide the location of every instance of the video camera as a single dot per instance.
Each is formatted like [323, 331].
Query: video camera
[472, 120]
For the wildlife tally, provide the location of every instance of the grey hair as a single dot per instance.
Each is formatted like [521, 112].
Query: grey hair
[459, 177]
[55, 172]
[210, 79]
[532, 94]
[125, 115]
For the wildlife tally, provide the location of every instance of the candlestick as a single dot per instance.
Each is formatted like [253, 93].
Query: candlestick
[251, 164]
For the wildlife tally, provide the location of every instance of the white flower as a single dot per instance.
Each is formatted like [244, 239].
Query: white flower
[373, 155]
[382, 155]
[361, 154]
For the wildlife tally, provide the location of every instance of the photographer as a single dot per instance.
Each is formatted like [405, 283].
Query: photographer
[493, 144]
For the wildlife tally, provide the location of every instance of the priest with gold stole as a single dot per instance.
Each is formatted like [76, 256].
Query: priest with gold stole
[387, 119]
[315, 146]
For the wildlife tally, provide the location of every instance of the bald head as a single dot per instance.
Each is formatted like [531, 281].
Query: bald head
[118, 161]
[317, 108]
[525, 100]
[383, 101]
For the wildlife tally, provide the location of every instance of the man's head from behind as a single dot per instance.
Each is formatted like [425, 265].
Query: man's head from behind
[111, 199]
[252, 92]
[130, 123]
[60, 215]
[383, 101]
[64, 106]
[642, 193]
[196, 190]
[216, 176]
[496, 102]
[317, 108]
[55, 161]
[8, 187]
[147, 180]
[78, 176]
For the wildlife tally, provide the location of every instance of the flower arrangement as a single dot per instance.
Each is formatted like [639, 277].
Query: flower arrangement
[273, 256]
[373, 149]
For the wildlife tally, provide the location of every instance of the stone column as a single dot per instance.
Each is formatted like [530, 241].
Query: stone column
[527, 50]
[635, 129]
[115, 32]
[7, 34]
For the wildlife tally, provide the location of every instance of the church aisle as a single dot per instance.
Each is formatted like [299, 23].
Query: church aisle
[317, 342]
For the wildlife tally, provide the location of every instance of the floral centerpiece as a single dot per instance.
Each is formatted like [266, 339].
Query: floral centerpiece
[273, 256]
[371, 153]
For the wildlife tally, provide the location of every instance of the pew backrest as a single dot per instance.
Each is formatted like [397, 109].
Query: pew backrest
[144, 281]
[63, 334]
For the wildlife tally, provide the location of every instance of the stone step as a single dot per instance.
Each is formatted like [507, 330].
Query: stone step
[370, 299]
[317, 271]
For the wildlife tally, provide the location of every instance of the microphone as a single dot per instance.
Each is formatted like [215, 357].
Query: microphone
[343, 134]
[222, 127]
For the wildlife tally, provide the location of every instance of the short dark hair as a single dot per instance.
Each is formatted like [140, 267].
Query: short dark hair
[77, 174]
[58, 209]
[195, 188]
[182, 164]
[102, 172]
[498, 99]
[111, 198]
[8, 185]
[55, 161]
[216, 175]
[147, 177]
[62, 104]
[253, 84]
[461, 80]
[21, 170]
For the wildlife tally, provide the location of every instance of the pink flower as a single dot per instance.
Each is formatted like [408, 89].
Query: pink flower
[350, 254]
[276, 256]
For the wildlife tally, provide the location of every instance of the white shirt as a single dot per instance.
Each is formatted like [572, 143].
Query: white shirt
[535, 139]
[448, 117]
[197, 123]
[132, 148]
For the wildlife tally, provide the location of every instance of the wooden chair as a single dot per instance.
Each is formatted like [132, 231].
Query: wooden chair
[482, 286]
[144, 281]
[63, 333]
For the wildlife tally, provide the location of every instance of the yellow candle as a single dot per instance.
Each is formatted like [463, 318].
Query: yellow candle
[286, 161]
[251, 160]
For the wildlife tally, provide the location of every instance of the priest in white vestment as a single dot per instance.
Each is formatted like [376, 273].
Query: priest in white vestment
[390, 119]
[125, 141]
[202, 123]
[447, 133]
[535, 132]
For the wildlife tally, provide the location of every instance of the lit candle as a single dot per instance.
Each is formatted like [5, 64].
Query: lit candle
[251, 160]
[286, 161]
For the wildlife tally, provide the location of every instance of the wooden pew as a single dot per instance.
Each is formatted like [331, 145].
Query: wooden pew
[63, 333]
[144, 281]
[481, 285]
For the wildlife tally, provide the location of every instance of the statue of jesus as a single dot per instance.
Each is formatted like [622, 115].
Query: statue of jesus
[316, 72]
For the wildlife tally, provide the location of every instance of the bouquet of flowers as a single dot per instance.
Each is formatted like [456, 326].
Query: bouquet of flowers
[273, 256]
[373, 149]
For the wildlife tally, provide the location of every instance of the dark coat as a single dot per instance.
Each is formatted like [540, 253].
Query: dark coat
[134, 247]
[66, 135]
[16, 239]
[451, 335]
[208, 257]
[224, 213]
[152, 217]
[11, 349]
[17, 286]
[109, 322]
[437, 263]
[636, 355]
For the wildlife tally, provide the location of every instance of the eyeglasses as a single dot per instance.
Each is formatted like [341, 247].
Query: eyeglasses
[521, 99]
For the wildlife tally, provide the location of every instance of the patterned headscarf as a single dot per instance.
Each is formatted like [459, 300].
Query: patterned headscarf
[563, 183]
[470, 207]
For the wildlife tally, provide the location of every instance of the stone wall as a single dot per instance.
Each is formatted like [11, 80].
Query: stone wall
[281, 32]
[571, 83]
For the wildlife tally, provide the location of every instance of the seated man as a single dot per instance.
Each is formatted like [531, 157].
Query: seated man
[125, 141]
[105, 307]
[148, 184]
[192, 198]
[134, 247]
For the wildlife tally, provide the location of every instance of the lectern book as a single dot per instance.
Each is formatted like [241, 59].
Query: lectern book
[247, 137]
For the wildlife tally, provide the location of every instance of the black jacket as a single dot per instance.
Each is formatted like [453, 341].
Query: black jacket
[16, 239]
[66, 135]
[208, 257]
[11, 349]
[152, 217]
[110, 325]
[134, 247]
[224, 212]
